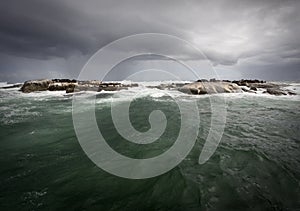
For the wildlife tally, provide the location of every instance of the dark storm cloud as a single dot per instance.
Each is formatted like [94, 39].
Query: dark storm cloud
[41, 29]
[60, 35]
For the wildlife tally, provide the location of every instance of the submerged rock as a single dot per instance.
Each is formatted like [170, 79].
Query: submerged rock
[210, 88]
[278, 91]
[291, 93]
[274, 91]
[248, 90]
[12, 86]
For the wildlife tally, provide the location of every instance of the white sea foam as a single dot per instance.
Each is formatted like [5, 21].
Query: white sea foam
[294, 87]
[16, 114]
[3, 84]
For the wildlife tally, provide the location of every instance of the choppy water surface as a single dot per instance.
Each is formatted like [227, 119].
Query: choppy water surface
[256, 166]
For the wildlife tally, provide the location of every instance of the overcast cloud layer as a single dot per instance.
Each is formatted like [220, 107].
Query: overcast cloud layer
[242, 39]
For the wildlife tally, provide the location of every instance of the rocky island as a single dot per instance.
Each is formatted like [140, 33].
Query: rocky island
[199, 87]
[71, 85]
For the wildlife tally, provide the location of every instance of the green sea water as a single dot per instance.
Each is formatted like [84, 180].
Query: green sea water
[255, 167]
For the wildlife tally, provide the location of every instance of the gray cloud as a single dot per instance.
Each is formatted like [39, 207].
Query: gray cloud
[257, 38]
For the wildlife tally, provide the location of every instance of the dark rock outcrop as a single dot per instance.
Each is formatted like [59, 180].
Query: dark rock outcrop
[210, 88]
[36, 85]
[58, 86]
[70, 88]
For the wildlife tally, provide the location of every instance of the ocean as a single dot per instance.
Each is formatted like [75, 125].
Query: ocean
[256, 166]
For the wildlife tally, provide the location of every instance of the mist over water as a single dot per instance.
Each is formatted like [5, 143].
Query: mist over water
[255, 167]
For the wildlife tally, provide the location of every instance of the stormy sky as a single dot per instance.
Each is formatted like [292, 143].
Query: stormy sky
[240, 38]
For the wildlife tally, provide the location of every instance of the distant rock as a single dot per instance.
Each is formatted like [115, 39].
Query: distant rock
[227, 81]
[168, 86]
[210, 88]
[213, 80]
[90, 82]
[263, 85]
[114, 86]
[243, 82]
[202, 80]
[64, 80]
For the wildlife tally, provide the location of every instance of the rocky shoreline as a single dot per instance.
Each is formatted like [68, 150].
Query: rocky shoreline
[225, 86]
[199, 87]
